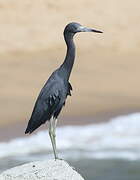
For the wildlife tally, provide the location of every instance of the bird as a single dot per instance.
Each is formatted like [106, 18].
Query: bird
[53, 95]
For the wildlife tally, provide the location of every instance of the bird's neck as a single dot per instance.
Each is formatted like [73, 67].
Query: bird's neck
[70, 54]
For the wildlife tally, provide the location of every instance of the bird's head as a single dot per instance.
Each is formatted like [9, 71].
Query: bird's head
[73, 28]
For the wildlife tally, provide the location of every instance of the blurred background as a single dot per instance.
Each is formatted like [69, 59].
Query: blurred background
[105, 81]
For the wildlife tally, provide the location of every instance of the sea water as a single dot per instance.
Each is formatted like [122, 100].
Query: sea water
[107, 151]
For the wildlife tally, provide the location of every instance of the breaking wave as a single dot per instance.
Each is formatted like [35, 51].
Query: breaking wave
[117, 138]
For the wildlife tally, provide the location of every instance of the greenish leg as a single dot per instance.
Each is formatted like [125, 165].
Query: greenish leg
[55, 123]
[52, 128]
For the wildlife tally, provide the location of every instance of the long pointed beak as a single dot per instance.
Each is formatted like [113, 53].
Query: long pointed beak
[96, 31]
[85, 29]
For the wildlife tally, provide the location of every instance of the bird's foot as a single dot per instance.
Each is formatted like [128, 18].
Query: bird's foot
[58, 159]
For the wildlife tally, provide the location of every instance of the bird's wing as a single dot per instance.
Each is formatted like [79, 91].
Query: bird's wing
[46, 104]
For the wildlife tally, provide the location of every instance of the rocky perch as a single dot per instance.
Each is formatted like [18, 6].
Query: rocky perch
[42, 170]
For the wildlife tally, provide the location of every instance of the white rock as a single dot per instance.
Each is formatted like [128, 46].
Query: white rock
[42, 170]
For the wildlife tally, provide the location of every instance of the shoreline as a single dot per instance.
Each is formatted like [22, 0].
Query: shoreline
[15, 130]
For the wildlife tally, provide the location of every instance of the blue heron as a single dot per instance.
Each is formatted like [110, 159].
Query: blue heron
[54, 93]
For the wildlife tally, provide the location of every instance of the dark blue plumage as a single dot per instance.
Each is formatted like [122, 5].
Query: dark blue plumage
[54, 93]
[50, 101]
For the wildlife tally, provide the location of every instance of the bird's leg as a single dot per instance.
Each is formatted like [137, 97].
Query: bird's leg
[52, 136]
[54, 125]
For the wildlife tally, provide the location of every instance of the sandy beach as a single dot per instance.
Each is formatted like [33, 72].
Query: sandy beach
[105, 77]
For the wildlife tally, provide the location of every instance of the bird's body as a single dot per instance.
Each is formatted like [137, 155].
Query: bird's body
[54, 93]
[50, 101]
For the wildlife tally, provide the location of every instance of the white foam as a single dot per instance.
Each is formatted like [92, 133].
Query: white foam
[118, 138]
